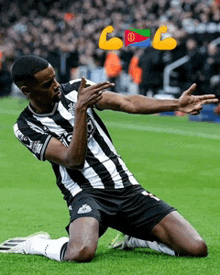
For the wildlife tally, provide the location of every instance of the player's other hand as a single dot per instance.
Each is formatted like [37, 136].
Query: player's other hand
[88, 96]
[191, 104]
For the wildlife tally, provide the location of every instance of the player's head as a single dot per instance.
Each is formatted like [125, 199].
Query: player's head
[36, 79]
[26, 67]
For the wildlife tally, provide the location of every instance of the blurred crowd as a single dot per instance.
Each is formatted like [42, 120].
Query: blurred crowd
[66, 33]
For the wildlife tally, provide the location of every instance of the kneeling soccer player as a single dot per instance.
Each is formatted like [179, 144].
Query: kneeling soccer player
[61, 125]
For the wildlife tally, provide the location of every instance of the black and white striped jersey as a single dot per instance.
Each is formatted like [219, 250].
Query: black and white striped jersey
[103, 168]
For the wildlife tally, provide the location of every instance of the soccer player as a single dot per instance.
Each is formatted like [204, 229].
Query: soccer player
[60, 125]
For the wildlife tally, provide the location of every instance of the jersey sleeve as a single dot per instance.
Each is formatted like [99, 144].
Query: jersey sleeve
[71, 89]
[74, 85]
[33, 137]
[89, 83]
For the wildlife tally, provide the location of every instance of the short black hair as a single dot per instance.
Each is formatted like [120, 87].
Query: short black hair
[26, 66]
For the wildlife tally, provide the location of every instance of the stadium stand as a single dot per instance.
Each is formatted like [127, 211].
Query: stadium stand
[67, 33]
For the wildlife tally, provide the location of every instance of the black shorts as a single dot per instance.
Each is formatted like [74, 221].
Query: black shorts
[132, 210]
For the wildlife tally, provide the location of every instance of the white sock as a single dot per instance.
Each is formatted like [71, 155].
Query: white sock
[137, 243]
[49, 248]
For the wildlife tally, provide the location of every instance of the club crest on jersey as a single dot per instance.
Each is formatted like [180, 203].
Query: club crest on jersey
[85, 208]
[71, 108]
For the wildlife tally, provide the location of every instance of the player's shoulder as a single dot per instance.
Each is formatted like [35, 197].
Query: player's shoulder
[22, 120]
[74, 85]
[25, 114]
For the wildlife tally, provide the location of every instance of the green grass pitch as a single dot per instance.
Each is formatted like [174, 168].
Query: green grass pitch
[175, 159]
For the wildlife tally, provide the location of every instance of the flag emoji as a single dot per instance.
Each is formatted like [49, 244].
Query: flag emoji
[137, 37]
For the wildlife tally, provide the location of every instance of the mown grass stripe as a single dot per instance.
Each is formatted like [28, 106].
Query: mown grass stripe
[164, 130]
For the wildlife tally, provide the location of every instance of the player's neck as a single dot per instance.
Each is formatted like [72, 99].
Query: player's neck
[43, 109]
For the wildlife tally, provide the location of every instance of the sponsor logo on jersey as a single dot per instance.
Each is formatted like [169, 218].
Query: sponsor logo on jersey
[66, 137]
[90, 127]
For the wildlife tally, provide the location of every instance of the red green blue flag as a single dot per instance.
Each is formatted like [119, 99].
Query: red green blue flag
[137, 37]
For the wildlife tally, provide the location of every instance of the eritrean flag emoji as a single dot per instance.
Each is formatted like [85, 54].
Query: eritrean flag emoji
[137, 37]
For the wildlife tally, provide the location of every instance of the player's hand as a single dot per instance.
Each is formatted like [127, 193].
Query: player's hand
[88, 96]
[191, 104]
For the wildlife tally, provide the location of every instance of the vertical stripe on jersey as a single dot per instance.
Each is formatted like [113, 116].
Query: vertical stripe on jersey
[70, 97]
[66, 115]
[101, 169]
[70, 86]
[62, 187]
[73, 188]
[105, 171]
[131, 178]
[113, 157]
[105, 166]
[101, 124]
[130, 175]
[106, 145]
[94, 178]
[96, 165]
[77, 176]
[126, 173]
[62, 122]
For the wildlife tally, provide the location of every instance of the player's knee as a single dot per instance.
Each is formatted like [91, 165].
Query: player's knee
[198, 248]
[83, 254]
[86, 254]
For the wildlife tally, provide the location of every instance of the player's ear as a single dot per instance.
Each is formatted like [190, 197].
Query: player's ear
[25, 90]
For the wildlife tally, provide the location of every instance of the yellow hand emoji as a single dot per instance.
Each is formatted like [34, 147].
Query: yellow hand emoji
[168, 43]
[113, 43]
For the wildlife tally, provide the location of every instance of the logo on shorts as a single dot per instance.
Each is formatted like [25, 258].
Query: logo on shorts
[85, 208]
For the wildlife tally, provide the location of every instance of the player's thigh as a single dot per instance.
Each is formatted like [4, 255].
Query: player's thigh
[84, 235]
[176, 232]
[140, 213]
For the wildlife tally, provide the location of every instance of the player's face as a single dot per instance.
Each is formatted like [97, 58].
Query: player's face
[47, 89]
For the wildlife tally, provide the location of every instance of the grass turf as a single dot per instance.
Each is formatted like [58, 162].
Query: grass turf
[171, 157]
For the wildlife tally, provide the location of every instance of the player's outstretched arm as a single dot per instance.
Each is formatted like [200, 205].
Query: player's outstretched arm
[138, 104]
[73, 156]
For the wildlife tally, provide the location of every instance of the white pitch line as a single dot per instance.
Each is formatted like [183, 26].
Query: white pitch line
[146, 128]
[157, 129]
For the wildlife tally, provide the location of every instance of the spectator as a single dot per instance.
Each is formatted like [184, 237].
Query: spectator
[191, 70]
[134, 70]
[36, 27]
[152, 67]
[5, 80]
[64, 60]
[211, 70]
[113, 69]
[125, 56]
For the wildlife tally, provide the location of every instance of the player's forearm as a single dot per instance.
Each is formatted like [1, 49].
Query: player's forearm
[76, 152]
[139, 104]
